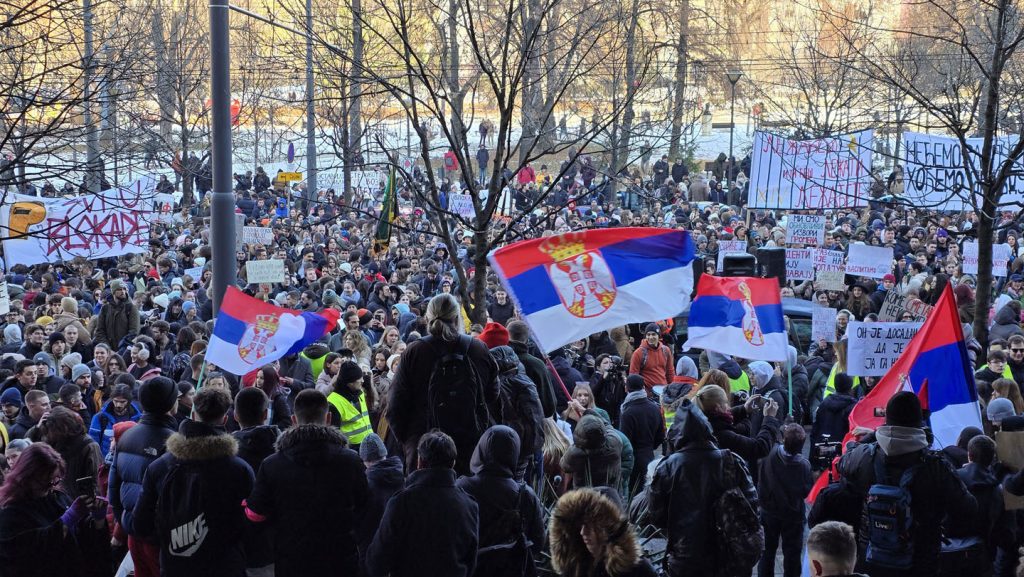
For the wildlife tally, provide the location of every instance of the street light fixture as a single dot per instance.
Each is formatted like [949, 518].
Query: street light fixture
[734, 76]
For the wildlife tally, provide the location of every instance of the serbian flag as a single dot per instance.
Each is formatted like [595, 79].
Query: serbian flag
[249, 333]
[578, 283]
[739, 316]
[935, 367]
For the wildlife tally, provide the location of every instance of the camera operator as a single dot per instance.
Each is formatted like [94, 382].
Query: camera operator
[582, 361]
[608, 383]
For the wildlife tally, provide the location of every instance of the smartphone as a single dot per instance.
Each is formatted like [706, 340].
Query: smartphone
[880, 412]
[86, 486]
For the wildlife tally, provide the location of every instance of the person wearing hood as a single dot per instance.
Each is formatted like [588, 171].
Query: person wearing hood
[316, 354]
[522, 409]
[686, 485]
[12, 339]
[1007, 322]
[769, 385]
[499, 496]
[936, 492]
[591, 537]
[313, 464]
[783, 483]
[595, 459]
[118, 409]
[738, 378]
[564, 372]
[972, 548]
[384, 477]
[832, 419]
[203, 456]
[643, 425]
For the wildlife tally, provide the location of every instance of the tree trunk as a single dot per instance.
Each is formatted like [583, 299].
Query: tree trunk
[626, 128]
[679, 84]
[356, 91]
[983, 293]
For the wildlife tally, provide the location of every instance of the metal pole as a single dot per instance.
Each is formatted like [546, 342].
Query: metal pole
[311, 186]
[92, 182]
[222, 199]
[732, 127]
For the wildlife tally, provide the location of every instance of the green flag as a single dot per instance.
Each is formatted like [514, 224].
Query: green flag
[388, 214]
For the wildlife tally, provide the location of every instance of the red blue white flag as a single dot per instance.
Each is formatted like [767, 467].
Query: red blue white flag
[739, 316]
[574, 284]
[249, 333]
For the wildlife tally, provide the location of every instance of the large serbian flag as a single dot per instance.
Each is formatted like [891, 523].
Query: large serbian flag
[249, 333]
[739, 316]
[572, 285]
[935, 366]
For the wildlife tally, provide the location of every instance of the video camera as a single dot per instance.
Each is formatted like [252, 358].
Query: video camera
[822, 453]
[617, 365]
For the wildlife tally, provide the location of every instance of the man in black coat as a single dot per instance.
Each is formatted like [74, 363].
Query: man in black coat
[191, 496]
[431, 526]
[385, 477]
[255, 443]
[536, 370]
[643, 425]
[833, 414]
[936, 492]
[783, 483]
[137, 448]
[313, 464]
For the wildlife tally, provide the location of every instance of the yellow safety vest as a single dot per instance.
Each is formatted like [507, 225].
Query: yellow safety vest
[355, 421]
[670, 417]
[1007, 373]
[741, 383]
[830, 384]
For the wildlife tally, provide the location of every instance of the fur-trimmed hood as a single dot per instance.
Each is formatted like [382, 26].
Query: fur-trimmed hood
[199, 442]
[569, 555]
[300, 434]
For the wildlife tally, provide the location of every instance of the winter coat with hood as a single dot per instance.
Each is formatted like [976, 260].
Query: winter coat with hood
[312, 491]
[384, 478]
[520, 390]
[538, 373]
[685, 487]
[621, 555]
[993, 525]
[1006, 323]
[102, 427]
[256, 444]
[495, 490]
[764, 382]
[734, 431]
[224, 481]
[34, 542]
[117, 320]
[641, 422]
[832, 418]
[783, 484]
[595, 459]
[935, 492]
[136, 449]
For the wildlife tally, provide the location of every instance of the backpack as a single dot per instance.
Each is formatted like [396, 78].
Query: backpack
[511, 414]
[181, 523]
[504, 548]
[740, 536]
[455, 402]
[889, 538]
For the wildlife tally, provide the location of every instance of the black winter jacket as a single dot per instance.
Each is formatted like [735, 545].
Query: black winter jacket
[256, 444]
[783, 483]
[537, 371]
[385, 479]
[225, 481]
[429, 528]
[312, 492]
[34, 543]
[832, 418]
[521, 392]
[643, 425]
[733, 436]
[138, 447]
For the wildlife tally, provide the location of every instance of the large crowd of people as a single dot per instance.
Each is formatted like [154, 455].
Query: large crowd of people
[410, 441]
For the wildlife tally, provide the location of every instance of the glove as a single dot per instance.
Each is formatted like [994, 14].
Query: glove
[75, 514]
[99, 509]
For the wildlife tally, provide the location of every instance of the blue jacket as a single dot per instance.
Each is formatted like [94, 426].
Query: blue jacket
[102, 427]
[138, 447]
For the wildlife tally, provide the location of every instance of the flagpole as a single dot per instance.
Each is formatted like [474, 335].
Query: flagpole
[202, 373]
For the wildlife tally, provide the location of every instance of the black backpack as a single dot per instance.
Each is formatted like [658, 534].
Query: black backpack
[740, 536]
[181, 523]
[504, 548]
[513, 415]
[455, 400]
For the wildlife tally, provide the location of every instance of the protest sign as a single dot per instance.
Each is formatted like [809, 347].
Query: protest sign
[239, 230]
[895, 304]
[1000, 258]
[5, 298]
[195, 272]
[257, 235]
[726, 247]
[110, 223]
[461, 204]
[935, 175]
[829, 270]
[823, 324]
[872, 348]
[869, 261]
[163, 205]
[805, 229]
[264, 271]
[824, 173]
[799, 264]
[370, 180]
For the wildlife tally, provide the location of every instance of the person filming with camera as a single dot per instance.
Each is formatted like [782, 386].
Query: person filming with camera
[608, 384]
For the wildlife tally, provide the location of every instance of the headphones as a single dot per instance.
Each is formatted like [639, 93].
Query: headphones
[143, 351]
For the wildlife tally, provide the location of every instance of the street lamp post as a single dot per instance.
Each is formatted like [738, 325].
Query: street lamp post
[734, 76]
[311, 166]
[222, 198]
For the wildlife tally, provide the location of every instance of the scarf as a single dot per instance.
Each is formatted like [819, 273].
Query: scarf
[632, 396]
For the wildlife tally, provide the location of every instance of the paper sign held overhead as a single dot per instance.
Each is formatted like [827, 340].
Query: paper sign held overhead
[869, 261]
[823, 324]
[805, 229]
[872, 348]
[264, 271]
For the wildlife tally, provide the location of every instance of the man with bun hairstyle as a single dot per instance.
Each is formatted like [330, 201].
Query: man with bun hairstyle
[136, 449]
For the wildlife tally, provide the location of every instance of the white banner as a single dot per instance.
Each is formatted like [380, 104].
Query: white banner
[825, 173]
[970, 264]
[895, 304]
[264, 271]
[257, 235]
[829, 270]
[799, 264]
[110, 223]
[163, 204]
[805, 229]
[1001, 254]
[370, 180]
[869, 261]
[873, 347]
[935, 175]
[461, 204]
[727, 247]
[823, 323]
[5, 298]
[195, 272]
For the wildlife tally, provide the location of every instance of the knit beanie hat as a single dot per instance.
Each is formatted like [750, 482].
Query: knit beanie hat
[494, 335]
[79, 370]
[998, 410]
[69, 305]
[349, 372]
[329, 297]
[158, 395]
[70, 360]
[12, 334]
[372, 449]
[57, 337]
[904, 410]
[116, 285]
[11, 396]
[652, 328]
